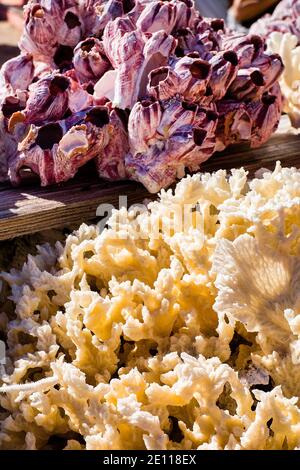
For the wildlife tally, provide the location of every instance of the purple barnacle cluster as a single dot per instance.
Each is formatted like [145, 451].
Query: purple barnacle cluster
[285, 19]
[144, 88]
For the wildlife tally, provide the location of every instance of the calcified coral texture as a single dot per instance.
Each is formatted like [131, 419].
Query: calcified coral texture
[186, 340]
[144, 88]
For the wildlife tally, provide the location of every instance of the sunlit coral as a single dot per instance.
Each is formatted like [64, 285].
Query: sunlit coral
[159, 334]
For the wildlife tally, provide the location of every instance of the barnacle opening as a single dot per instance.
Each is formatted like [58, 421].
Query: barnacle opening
[158, 75]
[256, 41]
[72, 20]
[212, 115]
[182, 32]
[268, 100]
[49, 135]
[179, 52]
[37, 11]
[98, 116]
[189, 106]
[194, 55]
[231, 56]
[200, 69]
[63, 55]
[90, 89]
[208, 91]
[217, 24]
[10, 106]
[59, 84]
[128, 5]
[188, 3]
[257, 78]
[123, 116]
[87, 45]
[146, 103]
[199, 135]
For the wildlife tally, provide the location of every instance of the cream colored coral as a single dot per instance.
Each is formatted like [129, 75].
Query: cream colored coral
[285, 44]
[117, 338]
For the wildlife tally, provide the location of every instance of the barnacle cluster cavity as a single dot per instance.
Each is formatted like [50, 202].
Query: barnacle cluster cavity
[144, 88]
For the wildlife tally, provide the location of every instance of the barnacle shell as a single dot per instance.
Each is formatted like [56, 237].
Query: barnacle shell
[49, 23]
[56, 150]
[265, 115]
[224, 69]
[234, 124]
[16, 74]
[160, 63]
[163, 83]
[247, 48]
[248, 84]
[158, 16]
[284, 19]
[48, 99]
[143, 122]
[194, 75]
[110, 161]
[90, 61]
[184, 137]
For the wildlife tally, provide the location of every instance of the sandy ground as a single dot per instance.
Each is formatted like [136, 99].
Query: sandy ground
[9, 37]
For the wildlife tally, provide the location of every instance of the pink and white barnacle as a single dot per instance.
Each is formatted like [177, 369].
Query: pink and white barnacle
[143, 122]
[234, 123]
[187, 41]
[70, 29]
[249, 84]
[9, 137]
[271, 66]
[49, 23]
[90, 61]
[47, 100]
[247, 48]
[110, 161]
[224, 69]
[39, 34]
[187, 16]
[265, 115]
[55, 151]
[79, 95]
[17, 73]
[210, 33]
[136, 58]
[158, 16]
[164, 83]
[103, 12]
[185, 137]
[194, 75]
[116, 40]
[157, 50]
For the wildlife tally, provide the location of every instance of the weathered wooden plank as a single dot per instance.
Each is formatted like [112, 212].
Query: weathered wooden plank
[30, 208]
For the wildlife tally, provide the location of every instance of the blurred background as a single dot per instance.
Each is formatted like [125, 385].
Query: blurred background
[236, 12]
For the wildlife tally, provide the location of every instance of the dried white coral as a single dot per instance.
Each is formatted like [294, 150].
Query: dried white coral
[162, 340]
[285, 44]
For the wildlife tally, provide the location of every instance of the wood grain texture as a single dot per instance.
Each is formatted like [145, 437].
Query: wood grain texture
[29, 209]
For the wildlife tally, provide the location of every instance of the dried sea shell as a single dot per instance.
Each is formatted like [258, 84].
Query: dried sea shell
[55, 151]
